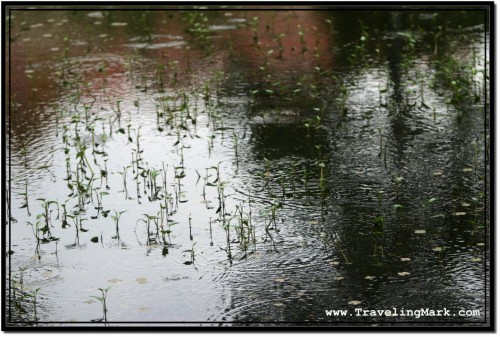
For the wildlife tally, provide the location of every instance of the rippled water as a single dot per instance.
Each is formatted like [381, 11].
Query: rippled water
[303, 161]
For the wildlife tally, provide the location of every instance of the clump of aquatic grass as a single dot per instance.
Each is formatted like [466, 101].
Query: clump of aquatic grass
[197, 25]
[43, 223]
[245, 231]
[18, 303]
[458, 76]
[358, 55]
[153, 174]
[148, 220]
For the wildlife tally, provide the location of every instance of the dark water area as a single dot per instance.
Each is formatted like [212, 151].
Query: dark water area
[247, 167]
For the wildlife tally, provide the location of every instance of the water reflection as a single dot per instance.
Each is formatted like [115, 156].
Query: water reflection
[320, 128]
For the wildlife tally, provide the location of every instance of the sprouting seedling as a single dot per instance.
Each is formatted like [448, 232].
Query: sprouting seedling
[33, 294]
[64, 220]
[130, 140]
[293, 170]
[153, 174]
[397, 181]
[267, 172]
[430, 201]
[379, 200]
[320, 114]
[210, 226]
[338, 244]
[192, 252]
[47, 220]
[307, 125]
[36, 231]
[83, 158]
[66, 46]
[254, 23]
[190, 233]
[282, 182]
[244, 229]
[235, 143]
[302, 39]
[152, 237]
[26, 199]
[280, 44]
[378, 224]
[318, 122]
[330, 25]
[167, 231]
[322, 176]
[278, 39]
[440, 250]
[117, 111]
[306, 182]
[116, 219]
[160, 71]
[137, 104]
[270, 213]
[124, 176]
[380, 96]
[475, 146]
[274, 208]
[381, 141]
[24, 153]
[99, 196]
[102, 299]
[320, 155]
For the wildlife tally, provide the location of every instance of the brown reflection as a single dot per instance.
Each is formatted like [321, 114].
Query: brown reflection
[281, 54]
[54, 57]
[284, 41]
[53, 51]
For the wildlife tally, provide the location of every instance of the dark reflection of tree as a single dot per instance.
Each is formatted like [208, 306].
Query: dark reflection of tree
[436, 276]
[278, 141]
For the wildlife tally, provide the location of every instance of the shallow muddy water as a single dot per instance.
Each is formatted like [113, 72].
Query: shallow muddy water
[242, 166]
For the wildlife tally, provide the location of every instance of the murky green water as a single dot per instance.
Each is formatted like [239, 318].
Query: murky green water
[247, 166]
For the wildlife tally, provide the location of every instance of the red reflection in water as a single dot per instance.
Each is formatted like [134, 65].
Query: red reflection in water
[287, 41]
[90, 58]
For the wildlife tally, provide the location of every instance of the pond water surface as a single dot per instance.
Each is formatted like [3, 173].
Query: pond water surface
[242, 166]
